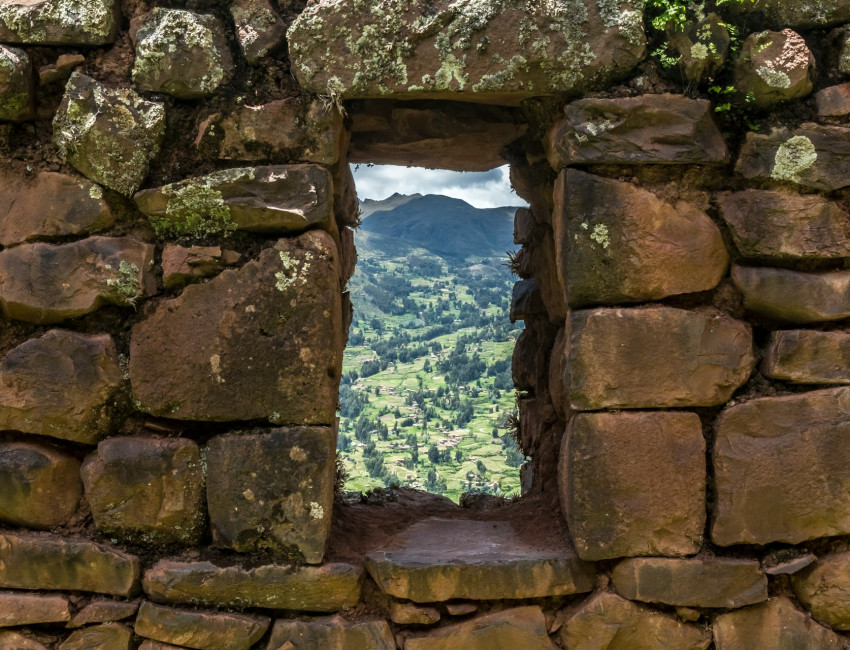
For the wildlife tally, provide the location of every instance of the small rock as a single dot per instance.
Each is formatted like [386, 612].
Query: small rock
[331, 632]
[774, 624]
[274, 199]
[834, 101]
[691, 582]
[180, 53]
[32, 609]
[61, 70]
[687, 614]
[520, 627]
[824, 587]
[51, 205]
[59, 22]
[156, 645]
[15, 641]
[110, 135]
[654, 358]
[410, 614]
[272, 490]
[779, 567]
[808, 357]
[773, 67]
[39, 486]
[104, 611]
[607, 622]
[30, 561]
[526, 300]
[181, 264]
[794, 296]
[812, 155]
[645, 129]
[197, 629]
[633, 484]
[146, 489]
[778, 225]
[62, 384]
[17, 90]
[777, 463]
[113, 636]
[461, 609]
[702, 47]
[259, 28]
[327, 588]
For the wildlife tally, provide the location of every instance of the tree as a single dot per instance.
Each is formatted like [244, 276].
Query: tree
[433, 454]
[482, 468]
[458, 455]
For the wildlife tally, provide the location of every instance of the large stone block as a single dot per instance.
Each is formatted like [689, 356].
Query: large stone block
[39, 486]
[441, 559]
[59, 22]
[521, 627]
[17, 89]
[776, 225]
[812, 156]
[27, 609]
[49, 562]
[774, 624]
[261, 341]
[773, 67]
[327, 588]
[198, 629]
[15, 641]
[273, 199]
[644, 129]
[608, 622]
[692, 582]
[808, 357]
[824, 588]
[62, 385]
[778, 464]
[782, 13]
[146, 489]
[110, 135]
[794, 296]
[43, 283]
[113, 636]
[633, 484]
[656, 357]
[617, 243]
[103, 611]
[259, 28]
[331, 632]
[50, 205]
[496, 52]
[273, 490]
[180, 53]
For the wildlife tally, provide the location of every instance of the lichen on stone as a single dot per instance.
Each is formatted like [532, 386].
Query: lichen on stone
[83, 22]
[794, 156]
[774, 78]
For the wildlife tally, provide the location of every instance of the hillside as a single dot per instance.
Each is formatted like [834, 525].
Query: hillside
[426, 376]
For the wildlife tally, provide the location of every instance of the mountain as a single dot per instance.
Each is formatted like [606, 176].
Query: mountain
[441, 225]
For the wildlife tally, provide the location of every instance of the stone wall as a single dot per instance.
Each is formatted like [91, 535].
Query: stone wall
[176, 227]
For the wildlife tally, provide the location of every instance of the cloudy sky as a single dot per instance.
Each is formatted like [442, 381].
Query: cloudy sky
[482, 189]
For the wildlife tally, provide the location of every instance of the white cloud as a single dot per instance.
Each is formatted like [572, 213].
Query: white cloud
[482, 189]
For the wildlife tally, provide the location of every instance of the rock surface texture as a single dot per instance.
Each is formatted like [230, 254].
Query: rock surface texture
[59, 22]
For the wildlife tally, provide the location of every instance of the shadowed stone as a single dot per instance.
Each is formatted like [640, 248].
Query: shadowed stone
[702, 46]
[39, 486]
[526, 300]
[813, 156]
[440, 559]
[17, 90]
[146, 489]
[779, 463]
[521, 627]
[773, 67]
[645, 129]
[331, 632]
[259, 28]
[196, 629]
[59, 22]
[608, 622]
[48, 562]
[50, 205]
[181, 264]
[250, 343]
[618, 243]
[783, 13]
[697, 582]
[654, 358]
[104, 611]
[273, 199]
[776, 225]
[808, 357]
[410, 614]
[774, 624]
[794, 296]
[824, 588]
[633, 484]
[112, 636]
[32, 609]
[272, 490]
[62, 385]
[495, 52]
[326, 588]
[180, 53]
[834, 101]
[110, 135]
